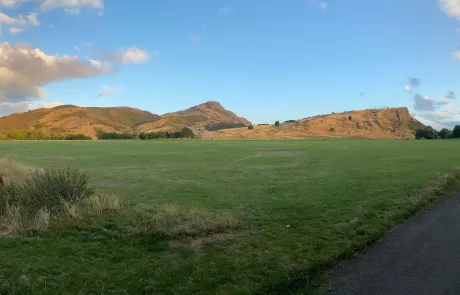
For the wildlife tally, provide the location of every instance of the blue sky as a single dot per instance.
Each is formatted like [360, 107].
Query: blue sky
[264, 60]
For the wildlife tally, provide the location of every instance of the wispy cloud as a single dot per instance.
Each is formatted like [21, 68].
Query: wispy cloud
[195, 38]
[106, 90]
[130, 55]
[226, 9]
[15, 31]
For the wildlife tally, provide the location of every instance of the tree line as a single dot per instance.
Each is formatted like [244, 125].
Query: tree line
[184, 133]
[430, 133]
[40, 135]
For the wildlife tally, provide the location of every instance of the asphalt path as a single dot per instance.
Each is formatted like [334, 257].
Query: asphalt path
[419, 257]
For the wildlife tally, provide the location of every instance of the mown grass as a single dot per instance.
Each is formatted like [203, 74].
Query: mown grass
[221, 217]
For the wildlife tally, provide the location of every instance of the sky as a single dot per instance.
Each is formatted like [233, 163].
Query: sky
[265, 60]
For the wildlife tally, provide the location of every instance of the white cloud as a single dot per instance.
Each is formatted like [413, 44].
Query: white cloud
[20, 20]
[10, 3]
[51, 4]
[131, 55]
[323, 5]
[226, 9]
[49, 105]
[1, 30]
[16, 30]
[51, 26]
[19, 67]
[407, 88]
[33, 20]
[451, 8]
[76, 48]
[106, 90]
[72, 11]
[100, 13]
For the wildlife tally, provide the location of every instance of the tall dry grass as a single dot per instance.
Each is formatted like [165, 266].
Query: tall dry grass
[41, 198]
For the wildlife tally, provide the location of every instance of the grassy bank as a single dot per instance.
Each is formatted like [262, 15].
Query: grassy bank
[220, 217]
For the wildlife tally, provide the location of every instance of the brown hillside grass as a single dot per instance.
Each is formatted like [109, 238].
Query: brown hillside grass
[391, 123]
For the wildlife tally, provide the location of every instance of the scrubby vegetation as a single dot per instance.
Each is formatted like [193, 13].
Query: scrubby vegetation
[185, 133]
[40, 135]
[250, 127]
[38, 198]
[102, 135]
[220, 126]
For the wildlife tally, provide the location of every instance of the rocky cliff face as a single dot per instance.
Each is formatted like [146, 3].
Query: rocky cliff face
[394, 123]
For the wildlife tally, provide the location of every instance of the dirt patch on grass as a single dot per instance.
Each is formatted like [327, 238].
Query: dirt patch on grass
[278, 154]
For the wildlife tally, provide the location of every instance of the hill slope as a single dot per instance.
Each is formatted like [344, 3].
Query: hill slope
[74, 120]
[394, 123]
[197, 117]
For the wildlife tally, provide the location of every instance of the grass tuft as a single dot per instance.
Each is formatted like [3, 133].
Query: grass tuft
[172, 221]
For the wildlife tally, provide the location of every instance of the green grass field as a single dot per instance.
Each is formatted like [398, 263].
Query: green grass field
[301, 205]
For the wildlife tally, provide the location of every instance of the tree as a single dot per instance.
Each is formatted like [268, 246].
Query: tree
[443, 133]
[250, 127]
[349, 118]
[187, 133]
[456, 131]
[277, 123]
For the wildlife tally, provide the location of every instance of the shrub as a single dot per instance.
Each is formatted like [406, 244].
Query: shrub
[51, 195]
[77, 137]
[331, 129]
[277, 123]
[290, 121]
[349, 118]
[250, 127]
[49, 189]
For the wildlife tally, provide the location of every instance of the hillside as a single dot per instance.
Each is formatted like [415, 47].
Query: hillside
[199, 118]
[72, 119]
[394, 123]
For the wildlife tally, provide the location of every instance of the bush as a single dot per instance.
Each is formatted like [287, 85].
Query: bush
[277, 123]
[102, 135]
[51, 195]
[250, 127]
[49, 189]
[331, 129]
[77, 137]
[349, 118]
[290, 121]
